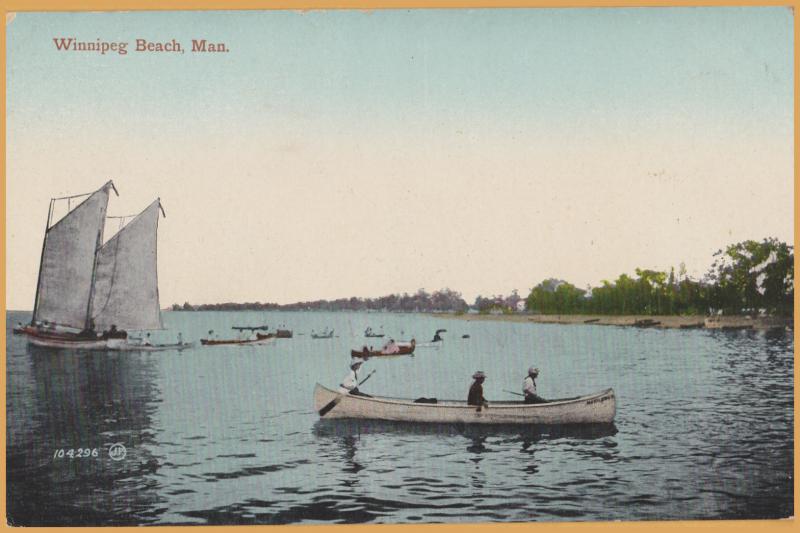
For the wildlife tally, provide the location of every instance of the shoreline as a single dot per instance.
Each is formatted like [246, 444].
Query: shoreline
[640, 321]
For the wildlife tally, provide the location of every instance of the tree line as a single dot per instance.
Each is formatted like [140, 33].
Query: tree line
[421, 301]
[748, 277]
[745, 278]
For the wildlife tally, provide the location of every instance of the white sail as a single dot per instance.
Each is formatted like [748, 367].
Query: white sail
[126, 280]
[65, 277]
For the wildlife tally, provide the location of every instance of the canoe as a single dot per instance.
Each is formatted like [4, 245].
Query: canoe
[260, 339]
[156, 347]
[432, 344]
[597, 408]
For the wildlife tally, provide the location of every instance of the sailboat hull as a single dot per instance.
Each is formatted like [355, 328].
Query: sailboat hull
[55, 340]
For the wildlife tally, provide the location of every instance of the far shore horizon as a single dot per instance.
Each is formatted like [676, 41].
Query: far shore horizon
[720, 322]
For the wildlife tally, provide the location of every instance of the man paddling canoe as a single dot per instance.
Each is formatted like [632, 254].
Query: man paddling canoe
[529, 387]
[475, 396]
[350, 383]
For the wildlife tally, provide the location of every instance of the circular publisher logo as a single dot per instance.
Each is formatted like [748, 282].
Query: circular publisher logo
[117, 452]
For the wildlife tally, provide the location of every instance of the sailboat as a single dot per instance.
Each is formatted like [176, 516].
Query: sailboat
[90, 292]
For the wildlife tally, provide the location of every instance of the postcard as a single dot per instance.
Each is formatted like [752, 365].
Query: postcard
[399, 266]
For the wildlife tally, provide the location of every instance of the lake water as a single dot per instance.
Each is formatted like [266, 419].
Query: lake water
[228, 435]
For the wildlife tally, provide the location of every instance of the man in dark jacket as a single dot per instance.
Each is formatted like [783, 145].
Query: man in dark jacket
[475, 396]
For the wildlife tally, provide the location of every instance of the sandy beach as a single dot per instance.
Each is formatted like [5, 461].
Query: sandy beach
[652, 321]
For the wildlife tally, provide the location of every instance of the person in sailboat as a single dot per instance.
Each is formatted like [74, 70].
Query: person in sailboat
[180, 338]
[349, 384]
[114, 333]
[475, 396]
[88, 332]
[529, 387]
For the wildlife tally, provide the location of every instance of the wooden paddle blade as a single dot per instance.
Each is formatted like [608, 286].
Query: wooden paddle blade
[330, 405]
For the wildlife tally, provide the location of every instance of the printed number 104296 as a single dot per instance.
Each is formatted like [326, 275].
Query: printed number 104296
[75, 453]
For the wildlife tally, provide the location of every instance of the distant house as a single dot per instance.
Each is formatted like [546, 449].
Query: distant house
[521, 306]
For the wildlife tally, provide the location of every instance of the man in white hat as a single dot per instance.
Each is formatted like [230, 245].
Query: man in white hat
[529, 387]
[475, 396]
[349, 384]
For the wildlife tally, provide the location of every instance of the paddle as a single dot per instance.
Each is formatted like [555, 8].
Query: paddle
[333, 403]
[508, 391]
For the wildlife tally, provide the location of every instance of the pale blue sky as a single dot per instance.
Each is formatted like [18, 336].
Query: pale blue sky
[516, 64]
[567, 133]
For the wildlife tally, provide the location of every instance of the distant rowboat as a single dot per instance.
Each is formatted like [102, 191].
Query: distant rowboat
[597, 408]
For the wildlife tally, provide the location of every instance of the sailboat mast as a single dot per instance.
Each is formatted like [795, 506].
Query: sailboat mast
[41, 262]
[88, 320]
[98, 244]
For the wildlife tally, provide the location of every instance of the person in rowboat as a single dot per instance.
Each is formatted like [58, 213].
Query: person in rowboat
[529, 387]
[349, 384]
[475, 396]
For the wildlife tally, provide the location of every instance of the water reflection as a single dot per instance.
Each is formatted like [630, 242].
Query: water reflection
[526, 434]
[85, 401]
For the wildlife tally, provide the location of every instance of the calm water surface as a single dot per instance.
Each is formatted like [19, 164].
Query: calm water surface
[228, 435]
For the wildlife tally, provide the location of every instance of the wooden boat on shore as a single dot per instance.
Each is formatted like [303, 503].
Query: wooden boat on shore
[402, 348]
[260, 339]
[597, 408]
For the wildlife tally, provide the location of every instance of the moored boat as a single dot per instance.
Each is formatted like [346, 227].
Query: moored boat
[283, 334]
[597, 408]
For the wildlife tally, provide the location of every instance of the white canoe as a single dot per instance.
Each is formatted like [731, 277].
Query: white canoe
[598, 408]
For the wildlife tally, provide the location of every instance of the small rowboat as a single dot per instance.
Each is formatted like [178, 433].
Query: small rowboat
[322, 335]
[284, 334]
[260, 339]
[597, 408]
[156, 347]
